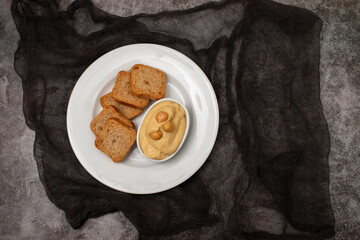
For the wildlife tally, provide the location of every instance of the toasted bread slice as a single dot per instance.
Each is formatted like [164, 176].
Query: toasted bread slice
[147, 82]
[97, 125]
[128, 111]
[116, 139]
[121, 91]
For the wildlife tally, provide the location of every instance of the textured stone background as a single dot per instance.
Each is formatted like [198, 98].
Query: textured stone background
[26, 212]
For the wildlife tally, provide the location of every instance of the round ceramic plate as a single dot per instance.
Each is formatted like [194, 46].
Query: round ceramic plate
[185, 82]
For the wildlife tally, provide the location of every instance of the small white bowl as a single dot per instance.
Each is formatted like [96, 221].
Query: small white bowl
[185, 134]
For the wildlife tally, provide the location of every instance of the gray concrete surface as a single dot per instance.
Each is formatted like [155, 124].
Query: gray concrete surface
[26, 212]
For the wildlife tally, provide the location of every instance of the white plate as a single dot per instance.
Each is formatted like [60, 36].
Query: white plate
[186, 83]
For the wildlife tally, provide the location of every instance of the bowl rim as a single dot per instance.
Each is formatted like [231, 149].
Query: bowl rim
[183, 139]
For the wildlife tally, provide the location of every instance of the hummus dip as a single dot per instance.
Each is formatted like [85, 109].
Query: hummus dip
[162, 130]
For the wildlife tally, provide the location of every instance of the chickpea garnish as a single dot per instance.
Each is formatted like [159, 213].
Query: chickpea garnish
[156, 135]
[162, 116]
[168, 126]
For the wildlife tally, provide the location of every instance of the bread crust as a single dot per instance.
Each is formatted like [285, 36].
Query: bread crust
[97, 125]
[128, 111]
[147, 82]
[121, 144]
[121, 92]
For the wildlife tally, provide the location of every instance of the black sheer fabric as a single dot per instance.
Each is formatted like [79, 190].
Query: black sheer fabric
[267, 176]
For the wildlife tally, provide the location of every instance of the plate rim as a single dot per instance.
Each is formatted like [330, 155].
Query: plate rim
[208, 151]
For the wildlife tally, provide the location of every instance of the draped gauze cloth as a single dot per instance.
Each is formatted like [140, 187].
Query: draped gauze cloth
[267, 176]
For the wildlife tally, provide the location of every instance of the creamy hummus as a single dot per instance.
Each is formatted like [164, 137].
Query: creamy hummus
[169, 141]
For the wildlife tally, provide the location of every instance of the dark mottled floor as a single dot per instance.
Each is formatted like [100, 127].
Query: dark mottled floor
[25, 211]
